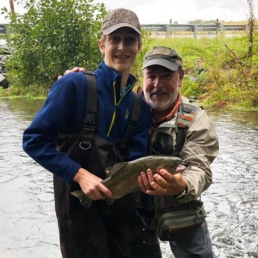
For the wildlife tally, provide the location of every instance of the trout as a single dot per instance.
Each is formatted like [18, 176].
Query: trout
[123, 178]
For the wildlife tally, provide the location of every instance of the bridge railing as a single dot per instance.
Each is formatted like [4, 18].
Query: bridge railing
[170, 29]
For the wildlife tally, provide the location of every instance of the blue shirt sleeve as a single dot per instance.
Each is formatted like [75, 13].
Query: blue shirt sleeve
[65, 103]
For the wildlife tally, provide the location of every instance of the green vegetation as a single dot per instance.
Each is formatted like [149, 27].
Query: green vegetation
[229, 77]
[56, 35]
[49, 38]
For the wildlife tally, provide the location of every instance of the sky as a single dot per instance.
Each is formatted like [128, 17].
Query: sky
[181, 11]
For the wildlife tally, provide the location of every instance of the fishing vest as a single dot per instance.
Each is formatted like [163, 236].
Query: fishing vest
[167, 139]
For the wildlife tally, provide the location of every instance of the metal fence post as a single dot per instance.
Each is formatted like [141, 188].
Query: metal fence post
[246, 29]
[195, 31]
[167, 30]
[221, 29]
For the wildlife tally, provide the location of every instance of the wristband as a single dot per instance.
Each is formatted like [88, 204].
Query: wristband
[181, 195]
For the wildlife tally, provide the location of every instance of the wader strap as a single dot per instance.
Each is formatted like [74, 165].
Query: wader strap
[182, 125]
[130, 129]
[90, 118]
[180, 140]
[187, 113]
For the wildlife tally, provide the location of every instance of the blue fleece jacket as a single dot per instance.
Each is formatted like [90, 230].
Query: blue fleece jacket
[63, 112]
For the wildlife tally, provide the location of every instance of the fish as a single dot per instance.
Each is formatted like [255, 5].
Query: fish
[123, 178]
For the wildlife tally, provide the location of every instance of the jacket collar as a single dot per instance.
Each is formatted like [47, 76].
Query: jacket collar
[111, 75]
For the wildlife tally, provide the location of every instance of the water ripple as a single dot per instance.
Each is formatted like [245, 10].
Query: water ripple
[28, 223]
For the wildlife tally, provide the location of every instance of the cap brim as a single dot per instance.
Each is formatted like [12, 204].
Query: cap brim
[118, 26]
[162, 62]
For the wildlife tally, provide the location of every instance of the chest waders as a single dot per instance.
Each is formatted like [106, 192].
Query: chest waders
[102, 231]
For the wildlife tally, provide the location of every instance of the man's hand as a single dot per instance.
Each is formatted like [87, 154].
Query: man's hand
[74, 70]
[91, 185]
[163, 182]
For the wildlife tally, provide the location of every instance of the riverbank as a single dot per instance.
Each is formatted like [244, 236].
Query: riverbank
[220, 72]
[207, 105]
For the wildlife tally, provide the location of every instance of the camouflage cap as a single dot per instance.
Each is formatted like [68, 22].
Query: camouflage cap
[119, 18]
[163, 56]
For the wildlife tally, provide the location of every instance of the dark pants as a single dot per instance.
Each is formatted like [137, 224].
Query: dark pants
[198, 245]
[103, 231]
[145, 243]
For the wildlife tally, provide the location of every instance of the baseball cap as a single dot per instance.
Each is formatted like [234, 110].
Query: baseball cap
[163, 56]
[119, 18]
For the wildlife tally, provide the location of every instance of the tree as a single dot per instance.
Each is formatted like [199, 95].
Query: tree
[52, 36]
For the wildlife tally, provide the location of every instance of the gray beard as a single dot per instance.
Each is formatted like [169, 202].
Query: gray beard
[161, 106]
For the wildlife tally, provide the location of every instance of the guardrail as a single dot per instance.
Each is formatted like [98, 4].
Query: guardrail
[171, 29]
[2, 29]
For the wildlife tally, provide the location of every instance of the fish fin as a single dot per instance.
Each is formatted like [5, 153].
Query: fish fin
[110, 201]
[78, 194]
[108, 171]
[84, 199]
[86, 202]
[117, 167]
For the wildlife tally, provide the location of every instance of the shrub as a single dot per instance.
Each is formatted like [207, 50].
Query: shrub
[51, 37]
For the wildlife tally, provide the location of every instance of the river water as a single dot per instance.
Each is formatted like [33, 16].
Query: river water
[27, 219]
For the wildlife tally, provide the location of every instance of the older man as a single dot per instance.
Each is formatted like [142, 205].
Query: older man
[179, 128]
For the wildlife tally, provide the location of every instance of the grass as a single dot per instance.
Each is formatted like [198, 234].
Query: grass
[229, 80]
[230, 77]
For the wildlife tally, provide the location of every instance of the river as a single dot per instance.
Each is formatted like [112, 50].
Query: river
[27, 219]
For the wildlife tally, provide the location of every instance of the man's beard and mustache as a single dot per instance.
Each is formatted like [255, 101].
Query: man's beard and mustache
[160, 105]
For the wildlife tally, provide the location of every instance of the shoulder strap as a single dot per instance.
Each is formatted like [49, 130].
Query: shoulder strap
[90, 117]
[187, 113]
[181, 135]
[131, 126]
